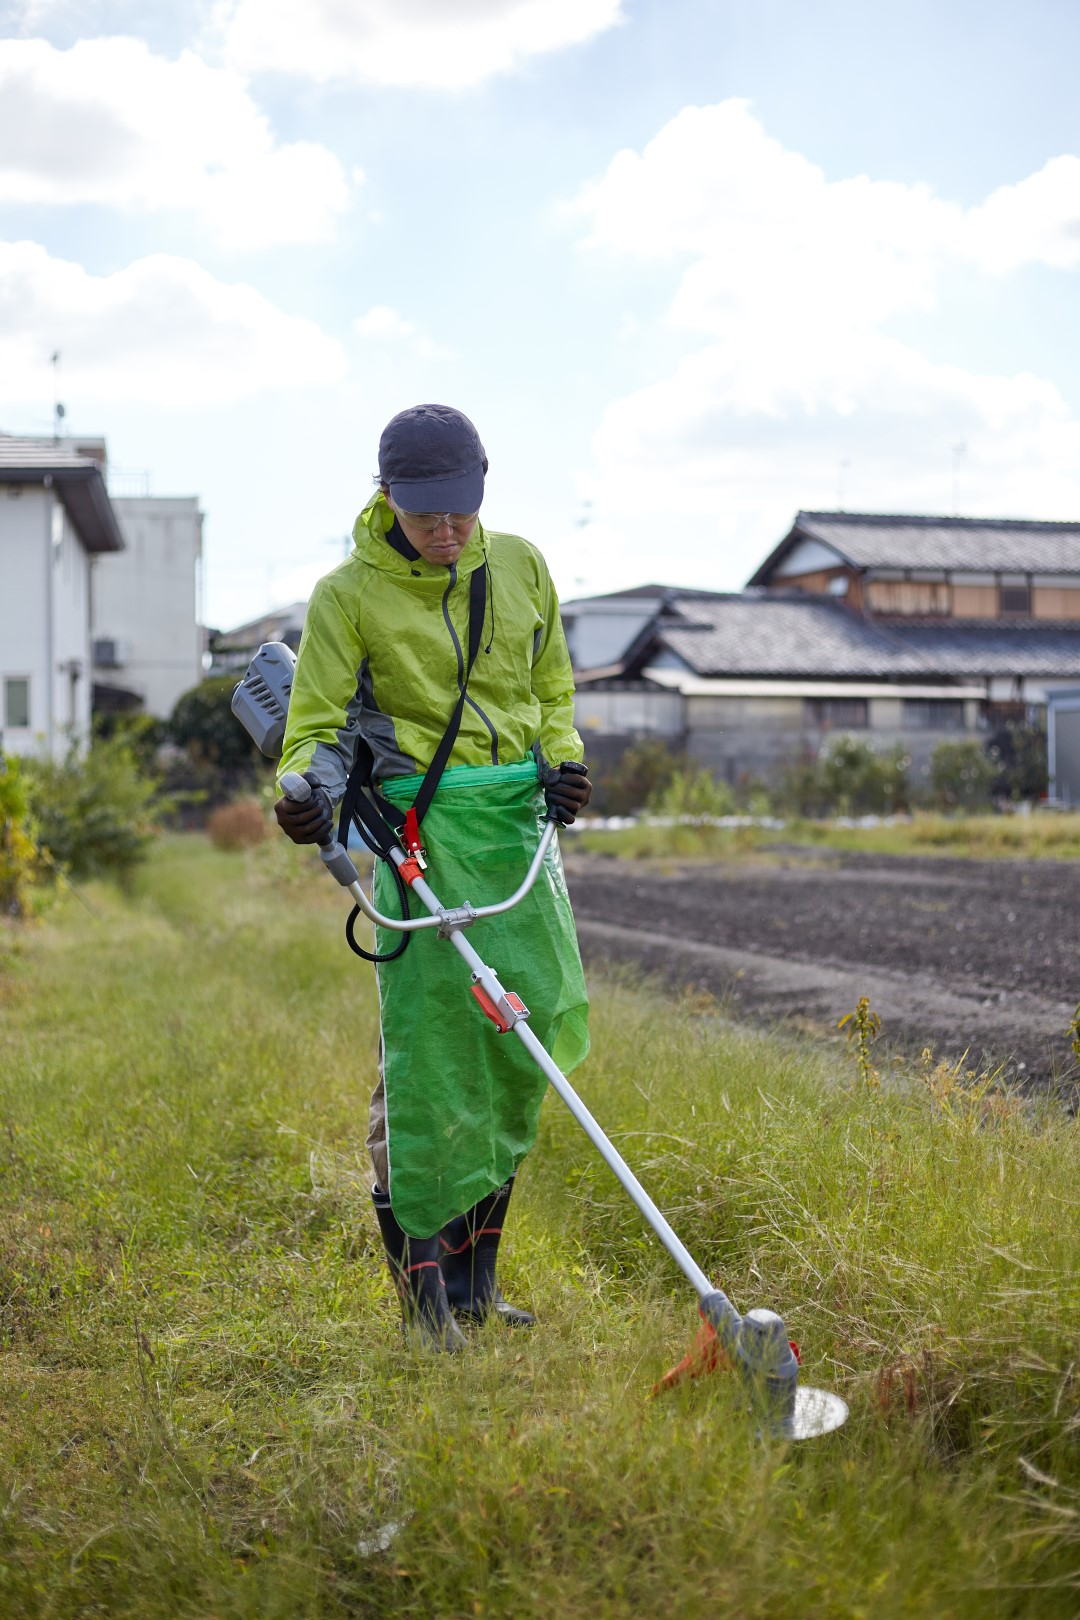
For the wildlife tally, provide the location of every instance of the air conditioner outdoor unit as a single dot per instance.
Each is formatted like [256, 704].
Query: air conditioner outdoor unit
[110, 653]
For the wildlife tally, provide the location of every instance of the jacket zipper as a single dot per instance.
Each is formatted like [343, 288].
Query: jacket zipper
[461, 665]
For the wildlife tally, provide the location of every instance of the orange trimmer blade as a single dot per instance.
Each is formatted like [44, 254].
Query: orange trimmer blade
[706, 1355]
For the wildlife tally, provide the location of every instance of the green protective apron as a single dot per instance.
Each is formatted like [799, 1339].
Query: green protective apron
[462, 1101]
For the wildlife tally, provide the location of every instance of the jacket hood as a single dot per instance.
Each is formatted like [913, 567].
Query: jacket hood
[371, 546]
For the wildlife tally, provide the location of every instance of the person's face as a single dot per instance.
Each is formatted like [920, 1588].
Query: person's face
[438, 537]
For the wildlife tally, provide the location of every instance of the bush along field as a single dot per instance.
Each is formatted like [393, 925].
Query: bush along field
[207, 1405]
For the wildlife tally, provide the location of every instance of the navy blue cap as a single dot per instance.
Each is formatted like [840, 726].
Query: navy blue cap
[432, 458]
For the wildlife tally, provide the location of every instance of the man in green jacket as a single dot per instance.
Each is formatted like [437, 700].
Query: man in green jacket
[383, 660]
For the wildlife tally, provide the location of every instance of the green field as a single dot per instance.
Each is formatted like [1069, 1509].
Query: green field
[207, 1406]
[1041, 836]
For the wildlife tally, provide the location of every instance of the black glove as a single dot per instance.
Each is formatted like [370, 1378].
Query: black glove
[307, 821]
[567, 791]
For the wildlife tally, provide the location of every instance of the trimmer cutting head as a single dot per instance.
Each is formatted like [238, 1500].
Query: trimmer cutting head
[757, 1347]
[817, 1412]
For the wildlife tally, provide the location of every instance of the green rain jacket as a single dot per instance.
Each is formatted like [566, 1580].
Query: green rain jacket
[383, 652]
[382, 657]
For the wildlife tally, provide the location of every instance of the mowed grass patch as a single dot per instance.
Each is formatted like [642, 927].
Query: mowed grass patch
[207, 1406]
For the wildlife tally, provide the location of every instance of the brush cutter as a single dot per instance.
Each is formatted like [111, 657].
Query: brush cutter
[756, 1345]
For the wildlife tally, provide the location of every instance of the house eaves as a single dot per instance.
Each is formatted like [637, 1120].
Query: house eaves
[694, 686]
[77, 480]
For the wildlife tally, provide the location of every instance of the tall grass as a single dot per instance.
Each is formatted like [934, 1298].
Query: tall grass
[1015, 837]
[207, 1407]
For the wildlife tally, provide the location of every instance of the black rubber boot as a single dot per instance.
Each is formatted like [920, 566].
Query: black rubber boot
[468, 1246]
[414, 1266]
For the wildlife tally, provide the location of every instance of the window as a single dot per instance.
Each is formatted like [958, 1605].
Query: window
[934, 714]
[916, 597]
[836, 714]
[1015, 599]
[16, 702]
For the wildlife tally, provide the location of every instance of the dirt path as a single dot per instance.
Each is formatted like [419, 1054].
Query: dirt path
[978, 955]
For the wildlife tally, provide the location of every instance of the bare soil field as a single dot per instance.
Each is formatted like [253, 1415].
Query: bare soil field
[957, 955]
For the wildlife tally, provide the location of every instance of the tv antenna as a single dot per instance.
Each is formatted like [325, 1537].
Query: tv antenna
[58, 409]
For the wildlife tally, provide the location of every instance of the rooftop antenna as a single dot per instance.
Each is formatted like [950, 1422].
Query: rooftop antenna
[58, 409]
[959, 451]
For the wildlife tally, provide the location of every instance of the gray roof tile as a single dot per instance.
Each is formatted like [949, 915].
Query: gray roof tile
[769, 635]
[775, 635]
[39, 455]
[975, 544]
[977, 647]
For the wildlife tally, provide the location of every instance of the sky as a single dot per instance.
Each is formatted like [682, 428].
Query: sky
[689, 265]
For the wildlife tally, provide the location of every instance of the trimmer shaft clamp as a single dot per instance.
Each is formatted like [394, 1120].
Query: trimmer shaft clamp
[459, 917]
[504, 1013]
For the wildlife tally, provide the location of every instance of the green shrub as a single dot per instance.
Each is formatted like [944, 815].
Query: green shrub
[212, 760]
[692, 792]
[95, 811]
[800, 791]
[203, 724]
[962, 775]
[1019, 747]
[143, 734]
[860, 780]
[850, 777]
[627, 785]
[20, 868]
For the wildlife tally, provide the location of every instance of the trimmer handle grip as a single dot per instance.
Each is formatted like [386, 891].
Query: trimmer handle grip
[295, 787]
[298, 790]
[335, 857]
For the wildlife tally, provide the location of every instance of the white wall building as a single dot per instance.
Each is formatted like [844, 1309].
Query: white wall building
[55, 519]
[147, 637]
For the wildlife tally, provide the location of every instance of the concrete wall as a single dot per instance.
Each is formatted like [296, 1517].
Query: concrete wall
[758, 737]
[748, 736]
[147, 598]
[645, 713]
[44, 618]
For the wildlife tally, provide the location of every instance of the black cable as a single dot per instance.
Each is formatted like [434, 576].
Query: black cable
[491, 598]
[403, 896]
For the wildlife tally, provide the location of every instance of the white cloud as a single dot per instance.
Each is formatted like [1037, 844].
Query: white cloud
[1036, 221]
[162, 331]
[109, 122]
[382, 324]
[438, 44]
[785, 282]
